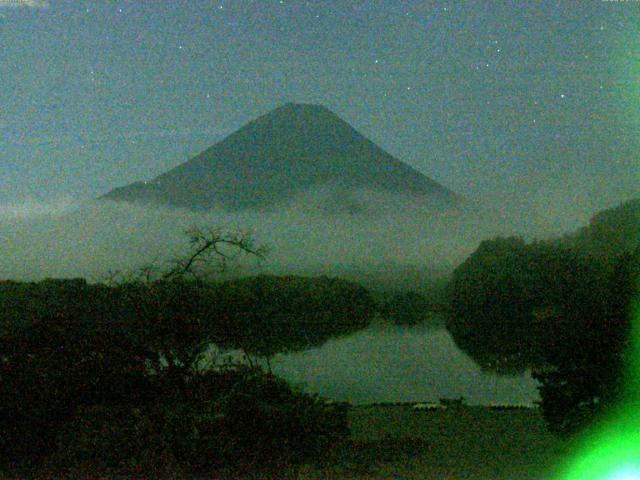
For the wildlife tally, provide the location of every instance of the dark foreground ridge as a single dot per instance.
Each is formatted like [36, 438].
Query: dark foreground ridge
[288, 151]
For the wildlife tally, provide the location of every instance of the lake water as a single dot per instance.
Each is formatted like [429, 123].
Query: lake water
[388, 363]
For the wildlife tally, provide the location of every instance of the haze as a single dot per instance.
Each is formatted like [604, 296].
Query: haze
[68, 239]
[528, 112]
[533, 104]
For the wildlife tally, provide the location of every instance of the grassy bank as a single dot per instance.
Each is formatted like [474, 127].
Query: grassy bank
[396, 442]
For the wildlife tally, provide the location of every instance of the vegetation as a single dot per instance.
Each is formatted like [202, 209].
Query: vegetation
[585, 366]
[265, 315]
[610, 233]
[109, 379]
[508, 296]
[406, 308]
[80, 398]
[558, 307]
[470, 442]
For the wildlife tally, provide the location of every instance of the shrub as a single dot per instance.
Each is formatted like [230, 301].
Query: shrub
[50, 368]
[121, 440]
[82, 391]
[586, 372]
[245, 420]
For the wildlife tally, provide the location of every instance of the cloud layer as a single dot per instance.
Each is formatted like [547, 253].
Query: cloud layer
[66, 239]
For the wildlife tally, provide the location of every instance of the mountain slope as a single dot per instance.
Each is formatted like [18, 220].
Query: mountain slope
[611, 232]
[290, 150]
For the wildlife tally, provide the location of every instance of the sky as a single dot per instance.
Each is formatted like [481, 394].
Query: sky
[532, 102]
[533, 106]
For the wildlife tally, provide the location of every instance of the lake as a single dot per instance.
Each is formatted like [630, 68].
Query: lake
[389, 363]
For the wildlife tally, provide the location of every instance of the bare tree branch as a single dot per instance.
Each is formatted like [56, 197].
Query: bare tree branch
[209, 246]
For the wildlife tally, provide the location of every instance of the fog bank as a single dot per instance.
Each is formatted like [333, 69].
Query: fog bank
[314, 232]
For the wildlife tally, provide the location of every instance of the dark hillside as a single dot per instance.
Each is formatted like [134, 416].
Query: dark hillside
[289, 150]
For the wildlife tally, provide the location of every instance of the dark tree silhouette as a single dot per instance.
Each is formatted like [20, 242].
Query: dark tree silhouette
[559, 307]
[105, 379]
[586, 364]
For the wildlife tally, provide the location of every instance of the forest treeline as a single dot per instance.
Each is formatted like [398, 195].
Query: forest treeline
[113, 379]
[560, 308]
[118, 379]
[261, 315]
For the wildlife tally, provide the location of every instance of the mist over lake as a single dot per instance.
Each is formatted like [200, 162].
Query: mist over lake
[247, 239]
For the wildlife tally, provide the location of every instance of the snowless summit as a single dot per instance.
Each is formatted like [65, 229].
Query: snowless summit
[292, 149]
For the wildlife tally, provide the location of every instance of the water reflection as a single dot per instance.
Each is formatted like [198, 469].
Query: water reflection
[388, 363]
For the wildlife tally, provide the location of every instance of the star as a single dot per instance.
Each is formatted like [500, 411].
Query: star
[562, 95]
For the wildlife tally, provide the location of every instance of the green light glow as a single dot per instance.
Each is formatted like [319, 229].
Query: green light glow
[626, 473]
[610, 450]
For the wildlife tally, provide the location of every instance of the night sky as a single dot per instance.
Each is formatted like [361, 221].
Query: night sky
[536, 102]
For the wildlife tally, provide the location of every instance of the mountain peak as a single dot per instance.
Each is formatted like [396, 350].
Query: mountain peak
[291, 149]
[302, 113]
[301, 106]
